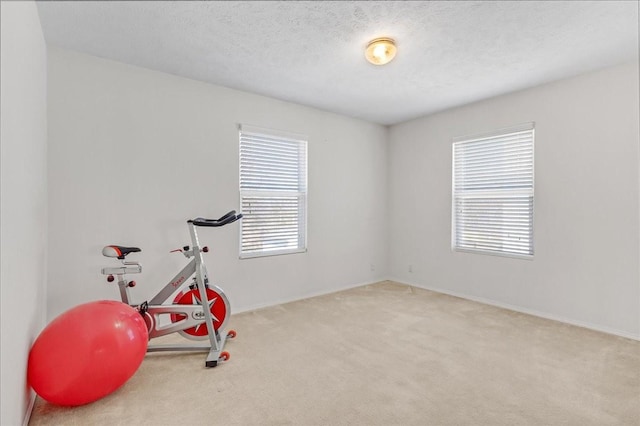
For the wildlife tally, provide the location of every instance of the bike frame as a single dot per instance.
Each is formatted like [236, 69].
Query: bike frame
[194, 315]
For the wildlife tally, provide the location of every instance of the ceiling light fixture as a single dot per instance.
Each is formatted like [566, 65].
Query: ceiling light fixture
[380, 51]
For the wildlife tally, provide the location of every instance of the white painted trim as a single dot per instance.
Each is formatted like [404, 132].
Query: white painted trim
[32, 403]
[265, 131]
[527, 311]
[522, 127]
[253, 255]
[484, 301]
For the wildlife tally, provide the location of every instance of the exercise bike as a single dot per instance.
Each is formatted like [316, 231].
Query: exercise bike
[185, 313]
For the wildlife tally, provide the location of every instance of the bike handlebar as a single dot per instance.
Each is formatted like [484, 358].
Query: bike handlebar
[224, 220]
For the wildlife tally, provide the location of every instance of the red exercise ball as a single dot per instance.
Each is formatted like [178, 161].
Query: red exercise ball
[87, 352]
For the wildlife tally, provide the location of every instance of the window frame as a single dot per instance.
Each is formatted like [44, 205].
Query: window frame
[503, 132]
[301, 193]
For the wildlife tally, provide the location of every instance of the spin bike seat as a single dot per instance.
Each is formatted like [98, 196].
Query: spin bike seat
[118, 251]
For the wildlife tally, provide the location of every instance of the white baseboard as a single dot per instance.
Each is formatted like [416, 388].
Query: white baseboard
[523, 310]
[306, 296]
[32, 403]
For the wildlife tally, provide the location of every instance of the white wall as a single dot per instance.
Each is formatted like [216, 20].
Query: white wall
[23, 211]
[586, 233]
[134, 153]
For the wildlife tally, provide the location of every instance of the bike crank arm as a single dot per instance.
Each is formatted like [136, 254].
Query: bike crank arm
[181, 317]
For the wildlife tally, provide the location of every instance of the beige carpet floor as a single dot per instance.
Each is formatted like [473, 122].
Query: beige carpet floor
[384, 354]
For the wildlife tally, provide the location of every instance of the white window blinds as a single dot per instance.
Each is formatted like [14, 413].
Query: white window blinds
[493, 193]
[273, 192]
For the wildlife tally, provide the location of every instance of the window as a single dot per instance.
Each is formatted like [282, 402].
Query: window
[493, 193]
[273, 192]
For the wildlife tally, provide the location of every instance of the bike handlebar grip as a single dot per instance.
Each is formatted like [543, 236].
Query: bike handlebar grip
[224, 220]
[227, 216]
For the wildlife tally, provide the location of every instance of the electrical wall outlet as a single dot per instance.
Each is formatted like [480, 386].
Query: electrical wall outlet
[410, 268]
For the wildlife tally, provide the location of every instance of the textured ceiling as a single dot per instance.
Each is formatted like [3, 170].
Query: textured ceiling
[449, 53]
